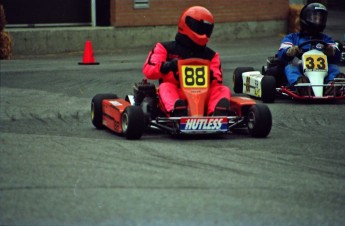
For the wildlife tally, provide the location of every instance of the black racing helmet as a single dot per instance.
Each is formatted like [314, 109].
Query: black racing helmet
[313, 18]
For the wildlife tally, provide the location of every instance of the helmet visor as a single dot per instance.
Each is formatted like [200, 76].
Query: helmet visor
[200, 27]
[317, 17]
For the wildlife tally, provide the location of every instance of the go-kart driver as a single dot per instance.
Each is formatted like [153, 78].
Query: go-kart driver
[194, 30]
[313, 18]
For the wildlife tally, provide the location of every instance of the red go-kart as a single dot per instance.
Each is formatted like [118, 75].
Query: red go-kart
[132, 115]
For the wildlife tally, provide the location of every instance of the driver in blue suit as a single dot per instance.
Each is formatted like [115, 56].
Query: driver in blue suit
[313, 18]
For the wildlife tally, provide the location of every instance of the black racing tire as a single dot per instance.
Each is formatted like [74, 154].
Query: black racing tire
[96, 108]
[133, 122]
[237, 78]
[268, 89]
[259, 120]
[264, 70]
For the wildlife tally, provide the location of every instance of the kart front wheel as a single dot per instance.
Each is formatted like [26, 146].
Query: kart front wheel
[133, 122]
[96, 108]
[259, 120]
[268, 89]
[237, 78]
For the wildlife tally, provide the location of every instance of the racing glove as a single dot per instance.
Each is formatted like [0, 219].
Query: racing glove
[169, 66]
[329, 50]
[293, 51]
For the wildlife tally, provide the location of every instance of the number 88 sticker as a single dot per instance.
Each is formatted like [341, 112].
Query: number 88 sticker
[195, 76]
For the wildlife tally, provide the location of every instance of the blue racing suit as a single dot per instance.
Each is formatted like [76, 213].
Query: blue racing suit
[292, 72]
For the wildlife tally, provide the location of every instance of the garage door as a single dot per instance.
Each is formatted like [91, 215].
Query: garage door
[32, 13]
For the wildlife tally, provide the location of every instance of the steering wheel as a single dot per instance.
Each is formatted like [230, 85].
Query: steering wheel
[313, 42]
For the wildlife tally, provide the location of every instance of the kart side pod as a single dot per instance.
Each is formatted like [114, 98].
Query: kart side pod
[247, 80]
[112, 111]
[118, 115]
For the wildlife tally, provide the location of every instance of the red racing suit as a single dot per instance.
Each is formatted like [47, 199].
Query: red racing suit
[183, 48]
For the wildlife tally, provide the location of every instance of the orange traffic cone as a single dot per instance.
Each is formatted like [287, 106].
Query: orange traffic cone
[88, 58]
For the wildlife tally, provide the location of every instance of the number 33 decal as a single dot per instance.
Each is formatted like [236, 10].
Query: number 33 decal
[314, 62]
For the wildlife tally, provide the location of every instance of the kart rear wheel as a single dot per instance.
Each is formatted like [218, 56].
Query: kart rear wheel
[268, 89]
[133, 122]
[96, 108]
[259, 120]
[237, 78]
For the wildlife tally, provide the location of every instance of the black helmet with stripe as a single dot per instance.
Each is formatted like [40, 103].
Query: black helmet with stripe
[313, 18]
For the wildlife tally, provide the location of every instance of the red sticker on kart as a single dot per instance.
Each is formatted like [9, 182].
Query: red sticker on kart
[195, 76]
[203, 124]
